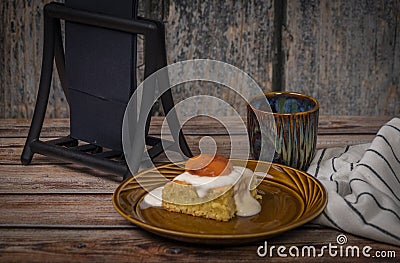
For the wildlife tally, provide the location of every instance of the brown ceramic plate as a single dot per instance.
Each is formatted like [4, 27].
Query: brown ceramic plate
[290, 198]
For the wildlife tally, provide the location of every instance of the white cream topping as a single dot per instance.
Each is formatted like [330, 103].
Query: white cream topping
[246, 204]
[203, 184]
[240, 177]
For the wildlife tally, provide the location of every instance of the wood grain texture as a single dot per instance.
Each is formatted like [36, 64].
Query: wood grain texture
[330, 134]
[344, 53]
[21, 53]
[131, 245]
[201, 125]
[46, 209]
[52, 177]
[49, 175]
[236, 32]
[59, 212]
[11, 149]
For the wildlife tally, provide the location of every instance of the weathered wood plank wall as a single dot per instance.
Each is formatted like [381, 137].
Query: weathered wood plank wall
[21, 56]
[237, 32]
[345, 53]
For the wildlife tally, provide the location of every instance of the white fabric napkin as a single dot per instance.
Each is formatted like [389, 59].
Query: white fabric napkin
[363, 185]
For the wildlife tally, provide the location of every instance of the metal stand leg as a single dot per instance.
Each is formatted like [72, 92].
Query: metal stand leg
[160, 60]
[44, 89]
[168, 101]
[155, 59]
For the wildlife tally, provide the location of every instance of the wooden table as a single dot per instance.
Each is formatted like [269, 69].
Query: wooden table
[55, 211]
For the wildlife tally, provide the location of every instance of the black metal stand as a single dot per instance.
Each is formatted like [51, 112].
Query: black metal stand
[68, 148]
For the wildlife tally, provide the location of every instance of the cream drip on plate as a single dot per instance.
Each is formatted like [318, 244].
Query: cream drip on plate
[246, 204]
[240, 177]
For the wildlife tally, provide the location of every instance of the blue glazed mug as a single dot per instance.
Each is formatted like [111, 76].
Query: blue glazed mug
[292, 131]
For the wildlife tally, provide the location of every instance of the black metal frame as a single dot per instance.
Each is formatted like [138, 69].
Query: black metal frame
[67, 148]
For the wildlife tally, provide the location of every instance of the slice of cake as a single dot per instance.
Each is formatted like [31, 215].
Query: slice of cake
[212, 188]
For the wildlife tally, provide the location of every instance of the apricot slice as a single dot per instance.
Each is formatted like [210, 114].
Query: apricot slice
[208, 165]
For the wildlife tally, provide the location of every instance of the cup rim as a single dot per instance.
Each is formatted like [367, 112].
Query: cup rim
[314, 109]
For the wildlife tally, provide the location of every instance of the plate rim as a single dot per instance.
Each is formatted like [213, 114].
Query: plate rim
[176, 233]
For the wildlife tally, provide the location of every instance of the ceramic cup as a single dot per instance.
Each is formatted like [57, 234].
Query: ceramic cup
[292, 131]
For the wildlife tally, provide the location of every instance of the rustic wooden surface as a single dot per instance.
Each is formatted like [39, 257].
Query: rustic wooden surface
[195, 29]
[345, 53]
[56, 211]
[21, 58]
[237, 32]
